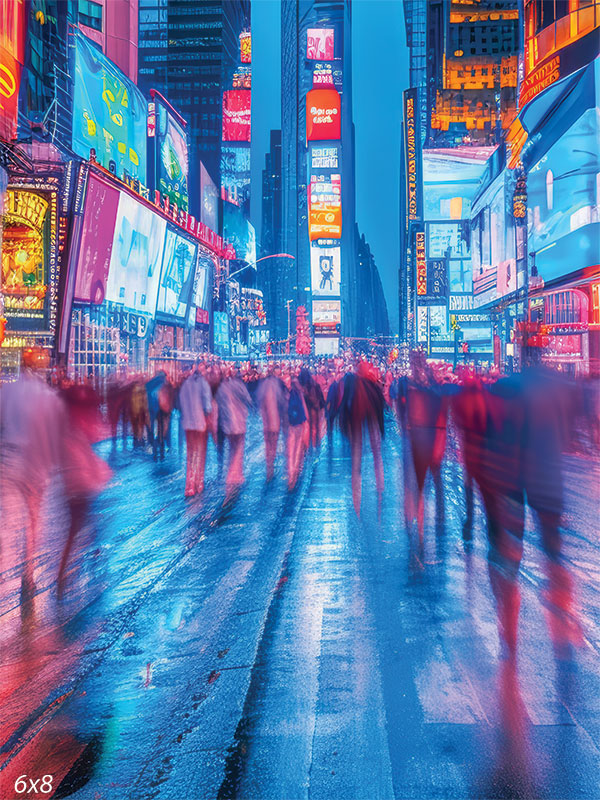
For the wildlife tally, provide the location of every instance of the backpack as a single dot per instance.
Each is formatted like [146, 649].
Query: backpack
[296, 414]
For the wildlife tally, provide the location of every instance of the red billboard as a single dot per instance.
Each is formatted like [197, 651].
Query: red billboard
[323, 115]
[319, 43]
[236, 115]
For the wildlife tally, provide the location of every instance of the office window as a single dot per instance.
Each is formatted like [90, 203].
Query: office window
[90, 14]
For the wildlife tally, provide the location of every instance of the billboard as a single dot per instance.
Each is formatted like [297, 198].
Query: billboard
[323, 115]
[235, 173]
[325, 271]
[238, 230]
[110, 113]
[27, 246]
[324, 157]
[236, 115]
[99, 217]
[412, 149]
[326, 313]
[209, 200]
[325, 207]
[177, 276]
[245, 47]
[320, 44]
[136, 256]
[171, 157]
[12, 55]
[421, 263]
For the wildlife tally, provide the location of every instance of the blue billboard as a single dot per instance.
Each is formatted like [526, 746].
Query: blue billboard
[109, 113]
[177, 278]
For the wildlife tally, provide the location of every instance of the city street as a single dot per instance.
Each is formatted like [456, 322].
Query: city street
[279, 647]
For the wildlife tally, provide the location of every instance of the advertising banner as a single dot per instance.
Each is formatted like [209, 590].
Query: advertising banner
[177, 277]
[437, 278]
[326, 313]
[27, 246]
[236, 115]
[320, 44]
[221, 331]
[12, 55]
[324, 157]
[323, 115]
[412, 148]
[209, 200]
[325, 207]
[172, 160]
[238, 230]
[136, 257]
[110, 113]
[325, 271]
[421, 262]
[245, 47]
[235, 173]
[99, 217]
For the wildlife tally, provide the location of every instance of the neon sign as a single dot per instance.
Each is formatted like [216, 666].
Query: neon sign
[421, 263]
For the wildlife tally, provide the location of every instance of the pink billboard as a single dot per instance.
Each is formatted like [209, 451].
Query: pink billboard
[236, 115]
[319, 43]
[96, 241]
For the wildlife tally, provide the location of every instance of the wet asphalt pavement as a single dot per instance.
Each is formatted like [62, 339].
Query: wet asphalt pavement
[281, 648]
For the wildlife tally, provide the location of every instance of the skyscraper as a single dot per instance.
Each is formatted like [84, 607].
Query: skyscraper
[317, 139]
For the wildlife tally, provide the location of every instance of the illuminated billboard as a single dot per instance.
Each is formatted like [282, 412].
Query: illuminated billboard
[324, 157]
[99, 217]
[325, 207]
[209, 200]
[413, 156]
[325, 271]
[204, 268]
[177, 276]
[110, 113]
[326, 313]
[235, 173]
[238, 230]
[323, 115]
[236, 115]
[245, 47]
[320, 44]
[421, 263]
[26, 250]
[172, 160]
[12, 41]
[136, 256]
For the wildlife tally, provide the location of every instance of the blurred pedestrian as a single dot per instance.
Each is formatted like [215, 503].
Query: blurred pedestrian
[297, 431]
[195, 403]
[271, 398]
[234, 403]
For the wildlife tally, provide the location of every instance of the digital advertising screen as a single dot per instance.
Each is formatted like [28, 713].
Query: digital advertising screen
[324, 157]
[209, 200]
[236, 115]
[110, 114]
[13, 14]
[202, 283]
[177, 277]
[326, 312]
[320, 44]
[99, 217]
[172, 159]
[323, 115]
[235, 172]
[238, 230]
[245, 47]
[136, 257]
[325, 271]
[325, 207]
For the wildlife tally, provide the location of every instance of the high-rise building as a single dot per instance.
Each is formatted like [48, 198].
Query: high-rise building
[192, 52]
[317, 141]
[372, 308]
[113, 26]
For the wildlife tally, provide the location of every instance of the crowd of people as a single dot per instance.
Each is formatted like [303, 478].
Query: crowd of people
[512, 432]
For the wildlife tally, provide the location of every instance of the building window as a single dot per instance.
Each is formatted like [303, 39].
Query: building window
[90, 14]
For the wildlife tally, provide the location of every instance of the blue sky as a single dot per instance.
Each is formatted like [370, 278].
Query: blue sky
[379, 74]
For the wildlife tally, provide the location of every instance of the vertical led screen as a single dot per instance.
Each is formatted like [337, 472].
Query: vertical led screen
[177, 277]
[235, 173]
[172, 160]
[12, 46]
[323, 115]
[236, 115]
[320, 44]
[413, 156]
[99, 217]
[325, 207]
[110, 113]
[136, 257]
[240, 232]
[325, 271]
[245, 47]
[209, 200]
[26, 247]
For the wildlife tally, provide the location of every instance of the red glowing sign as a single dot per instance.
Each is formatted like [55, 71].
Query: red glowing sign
[245, 47]
[319, 43]
[421, 263]
[12, 41]
[236, 115]
[323, 115]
